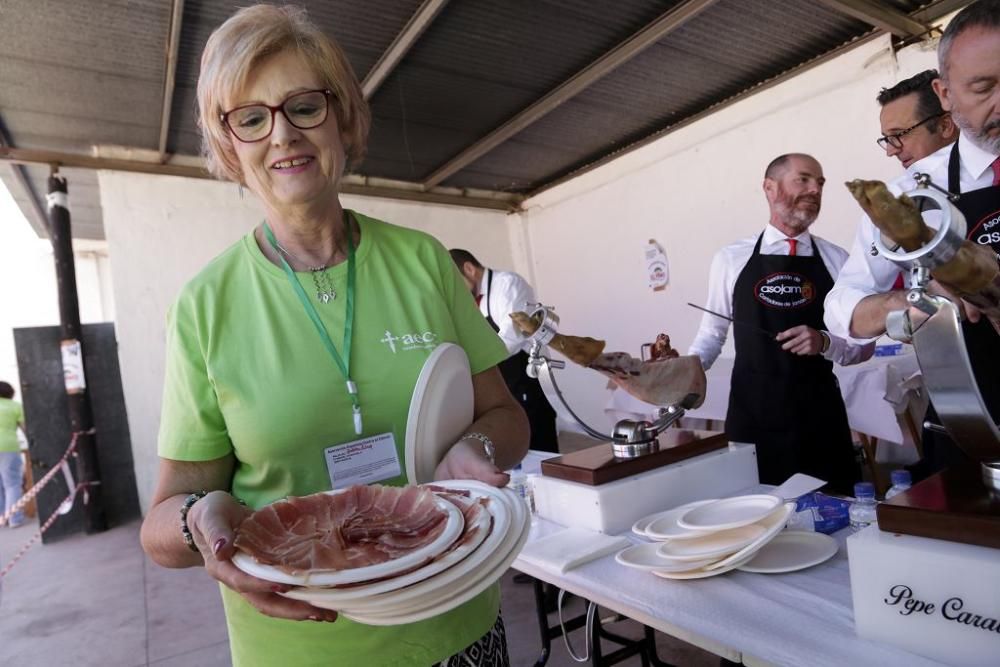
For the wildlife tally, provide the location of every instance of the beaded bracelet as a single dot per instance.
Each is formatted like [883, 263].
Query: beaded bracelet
[185, 531]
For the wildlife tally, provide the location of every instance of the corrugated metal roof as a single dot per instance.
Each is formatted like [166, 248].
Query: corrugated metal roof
[74, 75]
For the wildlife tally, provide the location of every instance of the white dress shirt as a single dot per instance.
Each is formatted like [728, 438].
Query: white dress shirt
[507, 294]
[864, 274]
[726, 267]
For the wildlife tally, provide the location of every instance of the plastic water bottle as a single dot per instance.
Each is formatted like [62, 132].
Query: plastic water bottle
[900, 482]
[862, 510]
[518, 481]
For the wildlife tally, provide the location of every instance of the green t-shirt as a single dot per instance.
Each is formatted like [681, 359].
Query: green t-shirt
[247, 373]
[11, 415]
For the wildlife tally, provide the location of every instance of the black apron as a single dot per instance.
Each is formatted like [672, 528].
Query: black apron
[526, 390]
[981, 209]
[788, 405]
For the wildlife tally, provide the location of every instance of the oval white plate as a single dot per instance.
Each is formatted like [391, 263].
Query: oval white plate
[503, 518]
[441, 410]
[483, 526]
[452, 597]
[773, 523]
[792, 550]
[702, 573]
[729, 512]
[455, 524]
[712, 545]
[664, 525]
[644, 557]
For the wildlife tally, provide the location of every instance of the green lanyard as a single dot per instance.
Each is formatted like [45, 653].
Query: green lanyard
[343, 363]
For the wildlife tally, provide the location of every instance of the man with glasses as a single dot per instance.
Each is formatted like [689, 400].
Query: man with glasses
[914, 125]
[969, 89]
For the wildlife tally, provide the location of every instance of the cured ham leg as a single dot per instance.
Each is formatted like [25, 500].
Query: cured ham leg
[972, 273]
[665, 379]
[578, 350]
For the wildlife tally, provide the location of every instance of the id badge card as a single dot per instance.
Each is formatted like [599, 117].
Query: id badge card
[365, 461]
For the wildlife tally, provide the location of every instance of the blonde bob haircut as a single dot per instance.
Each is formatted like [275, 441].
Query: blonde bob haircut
[242, 42]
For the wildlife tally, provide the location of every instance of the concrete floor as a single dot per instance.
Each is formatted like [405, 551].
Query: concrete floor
[97, 600]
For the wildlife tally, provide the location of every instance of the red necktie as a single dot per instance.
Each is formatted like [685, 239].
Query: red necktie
[996, 172]
[792, 243]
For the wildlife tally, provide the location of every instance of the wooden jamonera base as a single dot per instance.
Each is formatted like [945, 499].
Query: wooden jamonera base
[953, 505]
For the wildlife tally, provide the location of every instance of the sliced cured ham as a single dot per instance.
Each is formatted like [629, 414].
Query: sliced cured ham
[358, 527]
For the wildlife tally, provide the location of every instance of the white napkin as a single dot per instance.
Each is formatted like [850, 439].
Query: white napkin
[570, 548]
[797, 485]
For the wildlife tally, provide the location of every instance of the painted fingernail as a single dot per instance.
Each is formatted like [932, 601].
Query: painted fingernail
[281, 588]
[330, 618]
[219, 543]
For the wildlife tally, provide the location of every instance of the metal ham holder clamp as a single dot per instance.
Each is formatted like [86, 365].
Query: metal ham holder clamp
[629, 438]
[938, 342]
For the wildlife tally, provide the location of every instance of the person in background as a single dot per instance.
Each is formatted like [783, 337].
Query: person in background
[913, 123]
[784, 396]
[309, 333]
[11, 462]
[498, 294]
[969, 90]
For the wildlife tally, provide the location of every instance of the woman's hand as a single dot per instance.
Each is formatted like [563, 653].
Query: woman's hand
[467, 460]
[213, 521]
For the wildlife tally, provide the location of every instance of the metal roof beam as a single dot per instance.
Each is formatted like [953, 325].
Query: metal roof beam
[169, 82]
[404, 41]
[21, 179]
[880, 16]
[351, 185]
[621, 54]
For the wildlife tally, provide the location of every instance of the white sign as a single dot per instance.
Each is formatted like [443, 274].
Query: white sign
[656, 266]
[72, 361]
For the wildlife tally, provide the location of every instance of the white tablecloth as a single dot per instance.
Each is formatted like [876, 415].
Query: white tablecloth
[877, 393]
[801, 618]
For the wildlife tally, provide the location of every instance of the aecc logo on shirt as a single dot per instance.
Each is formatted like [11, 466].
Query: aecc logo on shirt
[785, 290]
[410, 341]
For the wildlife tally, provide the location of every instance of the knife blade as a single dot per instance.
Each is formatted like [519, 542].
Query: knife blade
[767, 333]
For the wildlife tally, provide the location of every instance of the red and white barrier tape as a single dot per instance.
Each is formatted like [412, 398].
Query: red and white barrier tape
[61, 465]
[64, 507]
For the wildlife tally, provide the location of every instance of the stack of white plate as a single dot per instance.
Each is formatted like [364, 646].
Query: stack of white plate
[424, 583]
[711, 537]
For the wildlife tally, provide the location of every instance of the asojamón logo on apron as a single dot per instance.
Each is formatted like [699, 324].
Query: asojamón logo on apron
[987, 231]
[784, 289]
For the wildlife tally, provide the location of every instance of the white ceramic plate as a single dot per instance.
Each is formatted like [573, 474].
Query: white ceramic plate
[644, 557]
[702, 573]
[473, 588]
[440, 411]
[454, 526]
[773, 523]
[483, 525]
[729, 512]
[663, 526]
[712, 545]
[430, 587]
[792, 550]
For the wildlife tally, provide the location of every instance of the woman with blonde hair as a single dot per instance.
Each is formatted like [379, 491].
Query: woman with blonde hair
[292, 342]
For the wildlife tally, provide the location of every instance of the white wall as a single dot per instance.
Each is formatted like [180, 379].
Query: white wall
[28, 296]
[696, 190]
[162, 230]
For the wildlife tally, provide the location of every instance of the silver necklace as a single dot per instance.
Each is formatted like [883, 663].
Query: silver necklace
[325, 291]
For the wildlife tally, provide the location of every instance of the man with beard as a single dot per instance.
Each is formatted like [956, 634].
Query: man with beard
[969, 88]
[784, 397]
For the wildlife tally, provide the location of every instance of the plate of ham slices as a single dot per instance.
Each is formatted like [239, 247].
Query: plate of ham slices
[421, 577]
[347, 536]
